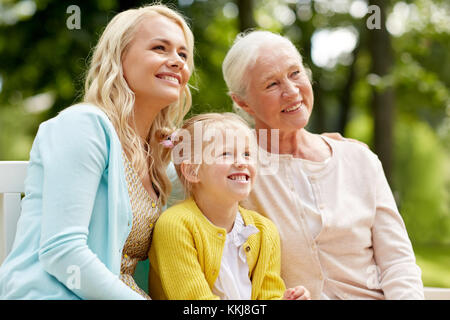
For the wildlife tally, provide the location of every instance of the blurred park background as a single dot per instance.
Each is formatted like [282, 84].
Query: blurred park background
[388, 87]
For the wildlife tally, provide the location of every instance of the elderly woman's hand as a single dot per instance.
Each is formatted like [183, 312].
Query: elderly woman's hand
[297, 293]
[339, 137]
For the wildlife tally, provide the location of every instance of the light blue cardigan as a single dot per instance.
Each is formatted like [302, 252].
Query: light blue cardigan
[76, 214]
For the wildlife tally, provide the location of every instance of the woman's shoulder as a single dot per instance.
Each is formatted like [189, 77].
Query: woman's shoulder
[81, 111]
[80, 120]
[353, 152]
[82, 131]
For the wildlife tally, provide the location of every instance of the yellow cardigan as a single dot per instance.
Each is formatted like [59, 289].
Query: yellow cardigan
[186, 253]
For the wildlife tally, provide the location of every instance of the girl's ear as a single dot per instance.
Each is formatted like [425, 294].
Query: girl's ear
[189, 172]
[241, 103]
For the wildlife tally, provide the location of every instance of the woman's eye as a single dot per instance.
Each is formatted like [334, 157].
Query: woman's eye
[295, 73]
[226, 154]
[183, 55]
[159, 47]
[271, 85]
[247, 154]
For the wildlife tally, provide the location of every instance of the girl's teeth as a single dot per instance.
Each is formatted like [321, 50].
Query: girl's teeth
[239, 178]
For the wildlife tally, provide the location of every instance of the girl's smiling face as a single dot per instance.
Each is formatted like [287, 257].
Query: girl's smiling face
[229, 166]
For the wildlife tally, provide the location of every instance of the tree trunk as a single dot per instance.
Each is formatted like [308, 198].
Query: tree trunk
[317, 122]
[246, 20]
[346, 97]
[319, 113]
[382, 101]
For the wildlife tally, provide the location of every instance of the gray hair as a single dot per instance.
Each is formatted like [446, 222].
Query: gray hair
[243, 55]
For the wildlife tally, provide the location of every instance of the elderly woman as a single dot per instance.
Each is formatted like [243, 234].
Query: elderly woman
[342, 236]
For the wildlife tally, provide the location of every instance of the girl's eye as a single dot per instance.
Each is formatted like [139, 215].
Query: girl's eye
[247, 154]
[226, 154]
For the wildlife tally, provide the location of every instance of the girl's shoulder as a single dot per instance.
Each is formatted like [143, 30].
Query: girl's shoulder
[265, 225]
[180, 213]
[181, 221]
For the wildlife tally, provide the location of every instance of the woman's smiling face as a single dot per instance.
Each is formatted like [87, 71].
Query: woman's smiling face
[155, 63]
[279, 93]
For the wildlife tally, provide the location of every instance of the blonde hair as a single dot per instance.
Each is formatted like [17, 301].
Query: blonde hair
[107, 88]
[242, 56]
[220, 121]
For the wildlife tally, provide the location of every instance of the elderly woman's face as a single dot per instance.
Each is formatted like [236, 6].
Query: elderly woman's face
[279, 95]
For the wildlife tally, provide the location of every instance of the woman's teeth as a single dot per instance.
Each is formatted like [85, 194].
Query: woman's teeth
[292, 109]
[169, 78]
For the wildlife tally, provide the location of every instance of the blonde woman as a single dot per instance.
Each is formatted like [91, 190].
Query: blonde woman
[96, 177]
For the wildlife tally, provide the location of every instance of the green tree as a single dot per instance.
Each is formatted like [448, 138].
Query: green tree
[43, 63]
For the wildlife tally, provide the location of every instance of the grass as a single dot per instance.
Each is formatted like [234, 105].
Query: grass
[435, 264]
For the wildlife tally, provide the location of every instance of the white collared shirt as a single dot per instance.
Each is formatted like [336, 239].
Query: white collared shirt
[233, 282]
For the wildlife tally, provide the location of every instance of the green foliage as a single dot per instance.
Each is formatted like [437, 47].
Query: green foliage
[422, 180]
[434, 261]
[39, 54]
[16, 138]
[360, 128]
[214, 34]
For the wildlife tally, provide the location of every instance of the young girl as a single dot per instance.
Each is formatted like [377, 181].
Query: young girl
[208, 247]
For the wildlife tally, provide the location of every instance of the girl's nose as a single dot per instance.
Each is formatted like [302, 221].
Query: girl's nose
[241, 165]
[241, 162]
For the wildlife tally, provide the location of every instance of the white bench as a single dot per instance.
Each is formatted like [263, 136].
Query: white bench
[12, 177]
[436, 293]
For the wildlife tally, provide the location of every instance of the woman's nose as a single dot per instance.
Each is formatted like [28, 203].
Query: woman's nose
[290, 90]
[175, 61]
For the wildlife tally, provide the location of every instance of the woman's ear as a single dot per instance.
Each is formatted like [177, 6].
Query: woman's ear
[189, 172]
[241, 103]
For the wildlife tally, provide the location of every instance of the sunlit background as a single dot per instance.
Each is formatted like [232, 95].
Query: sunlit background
[42, 67]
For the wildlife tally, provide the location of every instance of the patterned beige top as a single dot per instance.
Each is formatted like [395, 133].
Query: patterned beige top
[145, 213]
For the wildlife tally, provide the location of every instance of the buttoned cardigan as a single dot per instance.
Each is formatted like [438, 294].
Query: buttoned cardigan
[186, 253]
[76, 214]
[363, 250]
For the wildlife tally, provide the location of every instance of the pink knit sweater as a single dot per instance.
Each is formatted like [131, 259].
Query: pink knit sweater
[363, 250]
